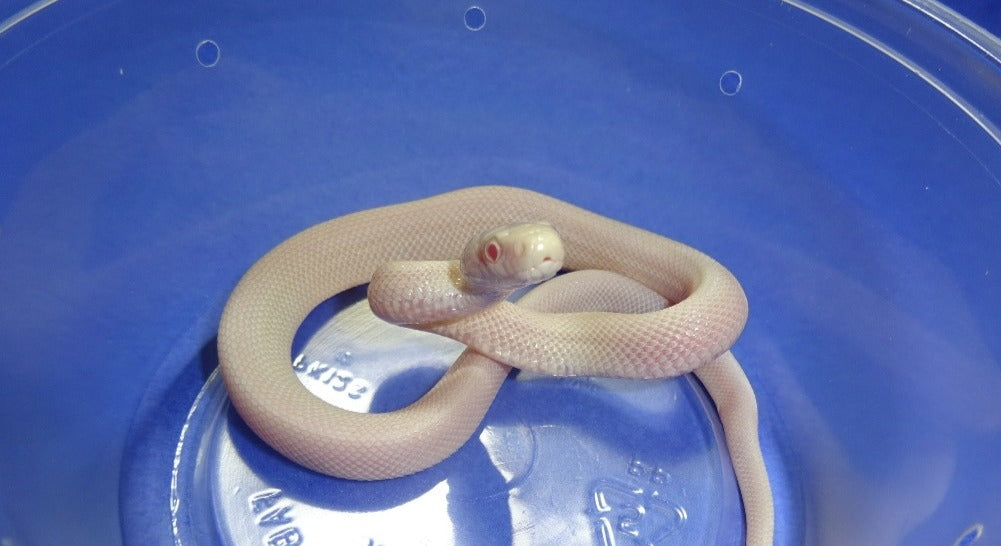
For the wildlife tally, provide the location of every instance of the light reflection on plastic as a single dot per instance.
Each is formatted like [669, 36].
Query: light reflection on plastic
[424, 519]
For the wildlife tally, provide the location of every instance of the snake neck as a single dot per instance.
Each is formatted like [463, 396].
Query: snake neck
[410, 293]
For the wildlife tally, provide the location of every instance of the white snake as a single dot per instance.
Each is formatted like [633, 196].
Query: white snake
[694, 334]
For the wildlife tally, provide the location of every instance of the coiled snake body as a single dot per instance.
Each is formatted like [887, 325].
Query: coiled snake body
[620, 336]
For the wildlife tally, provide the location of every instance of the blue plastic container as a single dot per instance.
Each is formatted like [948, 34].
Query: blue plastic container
[843, 160]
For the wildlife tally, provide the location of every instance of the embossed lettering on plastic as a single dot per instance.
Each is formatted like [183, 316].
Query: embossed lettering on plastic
[637, 509]
[338, 379]
[271, 510]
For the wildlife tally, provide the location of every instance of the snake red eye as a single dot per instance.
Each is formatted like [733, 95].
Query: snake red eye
[492, 252]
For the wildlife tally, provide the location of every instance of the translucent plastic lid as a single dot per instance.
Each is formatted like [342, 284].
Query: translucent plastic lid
[557, 460]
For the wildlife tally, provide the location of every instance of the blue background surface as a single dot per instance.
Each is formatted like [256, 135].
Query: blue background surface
[858, 205]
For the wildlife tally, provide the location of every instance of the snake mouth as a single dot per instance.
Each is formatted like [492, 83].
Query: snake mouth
[545, 269]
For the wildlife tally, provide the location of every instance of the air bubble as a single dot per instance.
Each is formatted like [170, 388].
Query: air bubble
[344, 358]
[475, 18]
[207, 52]
[730, 82]
[970, 536]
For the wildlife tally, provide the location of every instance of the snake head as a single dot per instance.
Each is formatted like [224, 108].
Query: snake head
[512, 256]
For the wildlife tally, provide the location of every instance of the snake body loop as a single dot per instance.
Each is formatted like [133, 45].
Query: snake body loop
[271, 300]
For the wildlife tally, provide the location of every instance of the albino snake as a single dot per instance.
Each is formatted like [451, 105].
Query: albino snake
[694, 334]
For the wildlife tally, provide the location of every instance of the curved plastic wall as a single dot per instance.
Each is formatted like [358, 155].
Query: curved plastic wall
[844, 161]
